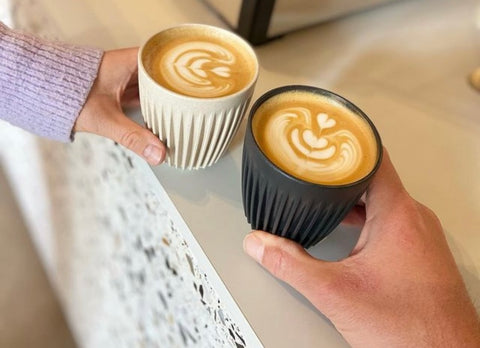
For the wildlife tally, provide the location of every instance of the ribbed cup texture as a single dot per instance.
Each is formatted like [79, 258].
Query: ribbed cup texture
[269, 207]
[279, 203]
[194, 140]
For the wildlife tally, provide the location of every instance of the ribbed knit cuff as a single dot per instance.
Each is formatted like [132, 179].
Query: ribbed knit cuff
[44, 84]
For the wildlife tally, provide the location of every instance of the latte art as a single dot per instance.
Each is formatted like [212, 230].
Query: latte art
[199, 68]
[314, 138]
[200, 62]
[314, 141]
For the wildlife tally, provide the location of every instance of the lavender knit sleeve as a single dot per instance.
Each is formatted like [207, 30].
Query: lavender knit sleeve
[43, 84]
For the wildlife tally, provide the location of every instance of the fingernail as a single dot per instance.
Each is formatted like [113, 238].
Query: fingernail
[153, 154]
[254, 247]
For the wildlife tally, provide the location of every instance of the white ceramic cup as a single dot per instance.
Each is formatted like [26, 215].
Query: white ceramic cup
[196, 131]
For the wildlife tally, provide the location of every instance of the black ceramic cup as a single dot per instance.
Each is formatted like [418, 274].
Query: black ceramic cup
[282, 204]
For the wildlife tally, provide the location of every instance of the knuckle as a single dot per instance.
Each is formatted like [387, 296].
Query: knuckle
[408, 203]
[431, 214]
[407, 210]
[350, 279]
[415, 223]
[130, 139]
[431, 220]
[277, 261]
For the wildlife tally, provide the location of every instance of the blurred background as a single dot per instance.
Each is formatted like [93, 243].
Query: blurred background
[30, 314]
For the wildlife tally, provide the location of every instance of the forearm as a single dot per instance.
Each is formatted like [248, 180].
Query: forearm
[43, 84]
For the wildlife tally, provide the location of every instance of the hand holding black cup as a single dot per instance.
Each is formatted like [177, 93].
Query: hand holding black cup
[308, 156]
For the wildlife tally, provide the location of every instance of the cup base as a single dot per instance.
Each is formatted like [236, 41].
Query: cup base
[194, 140]
[176, 165]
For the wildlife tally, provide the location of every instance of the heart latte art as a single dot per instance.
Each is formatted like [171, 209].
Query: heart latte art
[306, 137]
[314, 138]
[197, 64]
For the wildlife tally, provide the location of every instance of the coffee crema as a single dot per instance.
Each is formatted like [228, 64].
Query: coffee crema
[315, 138]
[198, 63]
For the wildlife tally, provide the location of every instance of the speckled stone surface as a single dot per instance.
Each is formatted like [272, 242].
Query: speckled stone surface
[110, 239]
[122, 267]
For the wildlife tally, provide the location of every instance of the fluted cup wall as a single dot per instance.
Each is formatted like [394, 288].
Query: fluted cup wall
[281, 203]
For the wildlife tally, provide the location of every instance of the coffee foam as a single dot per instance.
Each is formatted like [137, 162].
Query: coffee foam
[315, 138]
[198, 62]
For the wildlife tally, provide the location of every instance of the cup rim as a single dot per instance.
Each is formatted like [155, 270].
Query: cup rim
[343, 101]
[231, 34]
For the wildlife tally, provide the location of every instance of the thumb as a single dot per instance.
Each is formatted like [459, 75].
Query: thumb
[135, 138]
[289, 262]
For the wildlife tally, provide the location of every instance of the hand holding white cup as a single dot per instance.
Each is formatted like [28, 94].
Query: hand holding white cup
[195, 84]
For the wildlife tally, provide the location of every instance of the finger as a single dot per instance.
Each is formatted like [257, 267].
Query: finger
[384, 190]
[130, 95]
[131, 98]
[118, 69]
[134, 137]
[289, 262]
[128, 57]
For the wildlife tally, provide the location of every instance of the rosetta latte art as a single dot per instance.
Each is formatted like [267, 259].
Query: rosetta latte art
[198, 68]
[313, 142]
